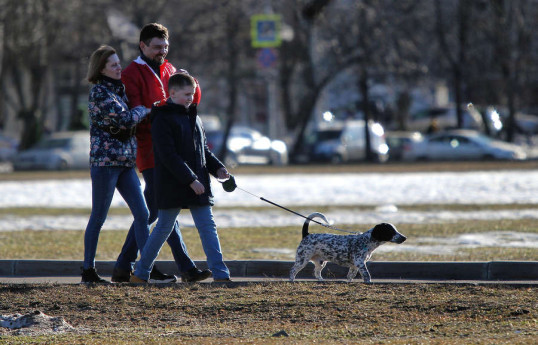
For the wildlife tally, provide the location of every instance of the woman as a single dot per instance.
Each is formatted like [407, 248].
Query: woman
[112, 154]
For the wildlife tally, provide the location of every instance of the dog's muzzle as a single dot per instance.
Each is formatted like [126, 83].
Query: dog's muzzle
[399, 239]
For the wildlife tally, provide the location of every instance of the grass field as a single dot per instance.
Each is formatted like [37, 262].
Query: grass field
[278, 312]
[257, 313]
[246, 243]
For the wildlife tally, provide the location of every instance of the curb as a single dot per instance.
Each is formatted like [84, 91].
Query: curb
[491, 271]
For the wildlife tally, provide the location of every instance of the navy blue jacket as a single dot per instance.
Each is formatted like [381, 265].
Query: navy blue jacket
[181, 156]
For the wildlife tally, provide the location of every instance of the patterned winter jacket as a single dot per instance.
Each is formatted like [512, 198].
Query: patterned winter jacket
[108, 107]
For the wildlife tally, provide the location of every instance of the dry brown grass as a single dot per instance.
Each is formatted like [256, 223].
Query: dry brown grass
[307, 312]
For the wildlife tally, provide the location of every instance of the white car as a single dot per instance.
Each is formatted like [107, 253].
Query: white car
[466, 145]
[59, 151]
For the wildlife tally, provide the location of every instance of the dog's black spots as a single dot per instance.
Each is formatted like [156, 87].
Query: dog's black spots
[383, 232]
[352, 251]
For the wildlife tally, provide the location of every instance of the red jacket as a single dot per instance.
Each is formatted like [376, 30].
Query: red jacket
[144, 87]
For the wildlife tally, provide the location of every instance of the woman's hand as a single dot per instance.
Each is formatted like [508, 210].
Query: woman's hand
[197, 187]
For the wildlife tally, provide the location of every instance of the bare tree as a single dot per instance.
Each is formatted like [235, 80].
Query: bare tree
[512, 33]
[301, 78]
[374, 37]
[455, 53]
[27, 54]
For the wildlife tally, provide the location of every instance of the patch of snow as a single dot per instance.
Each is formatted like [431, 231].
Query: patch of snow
[450, 245]
[36, 323]
[491, 187]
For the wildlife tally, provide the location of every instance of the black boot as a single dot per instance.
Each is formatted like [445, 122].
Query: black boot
[119, 275]
[90, 276]
[157, 276]
[195, 275]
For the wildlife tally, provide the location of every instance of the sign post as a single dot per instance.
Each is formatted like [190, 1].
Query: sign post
[265, 35]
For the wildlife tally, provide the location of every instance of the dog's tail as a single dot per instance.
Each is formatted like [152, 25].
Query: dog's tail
[309, 218]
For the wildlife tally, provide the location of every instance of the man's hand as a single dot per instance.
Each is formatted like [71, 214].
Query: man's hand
[197, 187]
[223, 174]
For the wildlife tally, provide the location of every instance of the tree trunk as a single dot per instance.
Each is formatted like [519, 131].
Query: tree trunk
[363, 87]
[30, 132]
[76, 121]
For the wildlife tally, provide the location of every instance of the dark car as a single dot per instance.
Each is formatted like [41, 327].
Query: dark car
[402, 144]
[345, 142]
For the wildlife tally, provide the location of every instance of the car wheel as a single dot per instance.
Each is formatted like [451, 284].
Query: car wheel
[62, 165]
[278, 159]
[337, 159]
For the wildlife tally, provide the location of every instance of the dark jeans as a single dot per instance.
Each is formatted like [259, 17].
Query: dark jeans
[129, 252]
[105, 180]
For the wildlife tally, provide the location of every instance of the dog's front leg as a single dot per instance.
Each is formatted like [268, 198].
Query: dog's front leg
[364, 271]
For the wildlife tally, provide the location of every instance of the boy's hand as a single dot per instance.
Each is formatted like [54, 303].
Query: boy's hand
[197, 187]
[223, 174]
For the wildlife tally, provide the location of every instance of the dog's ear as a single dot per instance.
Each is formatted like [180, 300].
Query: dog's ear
[383, 232]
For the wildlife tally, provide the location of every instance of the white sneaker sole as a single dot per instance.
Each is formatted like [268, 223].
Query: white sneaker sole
[165, 281]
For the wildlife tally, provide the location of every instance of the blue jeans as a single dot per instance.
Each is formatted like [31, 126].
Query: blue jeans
[207, 229]
[104, 181]
[129, 252]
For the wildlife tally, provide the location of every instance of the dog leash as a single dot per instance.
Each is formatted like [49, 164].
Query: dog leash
[230, 185]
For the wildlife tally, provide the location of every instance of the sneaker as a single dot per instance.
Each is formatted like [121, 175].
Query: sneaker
[90, 276]
[135, 280]
[222, 280]
[119, 275]
[195, 275]
[157, 276]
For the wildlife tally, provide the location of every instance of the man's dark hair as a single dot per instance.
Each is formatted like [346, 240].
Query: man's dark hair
[180, 80]
[152, 30]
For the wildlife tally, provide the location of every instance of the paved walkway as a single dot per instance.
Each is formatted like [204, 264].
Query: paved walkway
[505, 272]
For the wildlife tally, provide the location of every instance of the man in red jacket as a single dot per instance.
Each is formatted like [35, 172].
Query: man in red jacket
[146, 82]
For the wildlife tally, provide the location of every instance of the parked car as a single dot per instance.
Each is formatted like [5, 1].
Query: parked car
[402, 144]
[248, 146]
[345, 142]
[466, 145]
[59, 151]
[8, 148]
[444, 118]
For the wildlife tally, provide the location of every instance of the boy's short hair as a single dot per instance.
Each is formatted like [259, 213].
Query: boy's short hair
[98, 61]
[152, 30]
[180, 80]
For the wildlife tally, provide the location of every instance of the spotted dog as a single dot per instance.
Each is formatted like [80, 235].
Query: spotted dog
[351, 251]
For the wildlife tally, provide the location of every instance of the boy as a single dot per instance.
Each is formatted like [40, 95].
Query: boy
[183, 163]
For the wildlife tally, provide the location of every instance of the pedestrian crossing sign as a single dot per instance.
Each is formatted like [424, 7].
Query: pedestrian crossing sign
[265, 30]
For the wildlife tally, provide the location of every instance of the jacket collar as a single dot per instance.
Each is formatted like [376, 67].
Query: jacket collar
[115, 86]
[141, 61]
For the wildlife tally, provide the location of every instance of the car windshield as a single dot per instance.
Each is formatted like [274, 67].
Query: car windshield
[53, 143]
[483, 139]
[329, 135]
